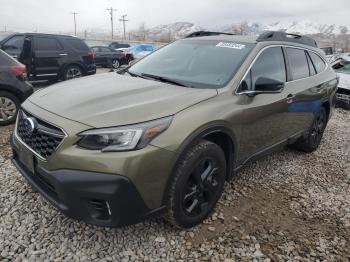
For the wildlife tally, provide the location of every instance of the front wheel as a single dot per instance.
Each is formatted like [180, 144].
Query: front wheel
[311, 142]
[9, 105]
[197, 184]
[115, 64]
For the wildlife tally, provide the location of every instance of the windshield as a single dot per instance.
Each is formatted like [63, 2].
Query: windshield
[195, 63]
[343, 67]
[3, 36]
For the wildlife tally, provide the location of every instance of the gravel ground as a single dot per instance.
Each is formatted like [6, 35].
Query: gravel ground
[286, 207]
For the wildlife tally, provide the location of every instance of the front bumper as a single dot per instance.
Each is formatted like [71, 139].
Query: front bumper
[95, 198]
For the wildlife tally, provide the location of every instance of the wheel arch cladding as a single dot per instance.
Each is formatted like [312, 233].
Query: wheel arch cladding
[327, 107]
[220, 135]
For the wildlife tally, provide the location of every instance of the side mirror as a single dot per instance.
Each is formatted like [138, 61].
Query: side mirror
[268, 85]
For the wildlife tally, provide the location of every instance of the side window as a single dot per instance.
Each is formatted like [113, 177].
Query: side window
[105, 49]
[95, 49]
[78, 44]
[47, 44]
[319, 64]
[298, 63]
[311, 66]
[14, 43]
[270, 64]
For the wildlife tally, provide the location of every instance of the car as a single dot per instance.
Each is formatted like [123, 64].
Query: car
[342, 67]
[125, 48]
[142, 50]
[107, 56]
[161, 137]
[14, 89]
[50, 57]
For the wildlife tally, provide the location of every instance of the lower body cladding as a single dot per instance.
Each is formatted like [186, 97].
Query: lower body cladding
[95, 198]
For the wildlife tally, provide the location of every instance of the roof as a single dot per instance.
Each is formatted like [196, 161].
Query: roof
[238, 38]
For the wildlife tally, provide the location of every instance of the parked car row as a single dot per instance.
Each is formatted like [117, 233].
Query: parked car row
[14, 88]
[50, 57]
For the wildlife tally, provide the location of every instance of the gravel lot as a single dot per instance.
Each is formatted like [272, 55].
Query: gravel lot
[288, 206]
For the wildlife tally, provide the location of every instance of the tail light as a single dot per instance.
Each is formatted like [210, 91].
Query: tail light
[91, 54]
[18, 70]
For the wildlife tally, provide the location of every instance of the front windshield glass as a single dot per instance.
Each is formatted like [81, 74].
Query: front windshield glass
[3, 36]
[195, 63]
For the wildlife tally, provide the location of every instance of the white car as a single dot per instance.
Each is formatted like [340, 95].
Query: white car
[342, 67]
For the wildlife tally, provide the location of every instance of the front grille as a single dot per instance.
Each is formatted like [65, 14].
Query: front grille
[40, 136]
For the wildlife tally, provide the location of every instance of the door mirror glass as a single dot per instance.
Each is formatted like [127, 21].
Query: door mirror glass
[268, 85]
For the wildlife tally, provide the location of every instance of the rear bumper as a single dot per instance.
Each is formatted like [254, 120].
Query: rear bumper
[95, 198]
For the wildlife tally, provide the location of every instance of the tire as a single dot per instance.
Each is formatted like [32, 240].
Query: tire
[115, 64]
[311, 142]
[71, 72]
[198, 182]
[9, 105]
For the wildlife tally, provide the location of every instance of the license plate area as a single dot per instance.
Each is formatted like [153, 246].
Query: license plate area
[26, 157]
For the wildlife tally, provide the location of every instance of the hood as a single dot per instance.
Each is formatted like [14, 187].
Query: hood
[110, 99]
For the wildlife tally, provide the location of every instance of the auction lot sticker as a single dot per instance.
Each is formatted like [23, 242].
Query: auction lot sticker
[231, 45]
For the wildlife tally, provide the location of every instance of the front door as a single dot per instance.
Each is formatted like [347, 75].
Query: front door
[265, 121]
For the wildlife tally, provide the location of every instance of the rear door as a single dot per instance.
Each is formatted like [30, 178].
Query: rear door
[305, 91]
[265, 122]
[98, 55]
[48, 56]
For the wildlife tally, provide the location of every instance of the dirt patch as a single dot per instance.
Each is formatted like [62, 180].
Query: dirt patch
[5, 133]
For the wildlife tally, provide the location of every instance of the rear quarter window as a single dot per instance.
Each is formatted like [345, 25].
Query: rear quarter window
[318, 62]
[78, 44]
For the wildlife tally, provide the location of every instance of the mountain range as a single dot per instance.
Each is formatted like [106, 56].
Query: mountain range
[305, 27]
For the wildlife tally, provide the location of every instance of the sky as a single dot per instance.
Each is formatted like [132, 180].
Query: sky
[55, 16]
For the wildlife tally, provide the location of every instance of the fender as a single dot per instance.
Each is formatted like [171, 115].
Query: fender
[200, 133]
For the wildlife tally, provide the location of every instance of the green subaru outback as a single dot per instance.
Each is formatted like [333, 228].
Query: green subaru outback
[163, 135]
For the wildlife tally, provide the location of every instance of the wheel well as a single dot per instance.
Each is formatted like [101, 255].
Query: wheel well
[8, 89]
[72, 64]
[224, 141]
[327, 106]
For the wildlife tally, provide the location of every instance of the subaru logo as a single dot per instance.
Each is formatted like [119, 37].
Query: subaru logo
[30, 125]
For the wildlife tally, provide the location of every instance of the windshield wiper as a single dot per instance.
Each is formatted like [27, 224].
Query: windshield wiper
[164, 79]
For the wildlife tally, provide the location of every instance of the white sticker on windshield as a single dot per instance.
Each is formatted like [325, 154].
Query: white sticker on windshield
[231, 45]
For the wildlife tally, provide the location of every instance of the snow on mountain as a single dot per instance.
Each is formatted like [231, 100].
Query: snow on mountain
[305, 27]
[174, 30]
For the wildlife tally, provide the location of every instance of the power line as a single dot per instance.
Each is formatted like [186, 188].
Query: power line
[111, 11]
[124, 20]
[75, 22]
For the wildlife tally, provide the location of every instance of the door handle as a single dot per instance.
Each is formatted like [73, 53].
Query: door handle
[290, 98]
[63, 54]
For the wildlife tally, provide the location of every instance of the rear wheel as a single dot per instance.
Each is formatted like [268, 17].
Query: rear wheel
[197, 184]
[9, 105]
[72, 72]
[311, 142]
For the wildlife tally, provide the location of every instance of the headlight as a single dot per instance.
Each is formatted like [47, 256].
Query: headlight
[123, 138]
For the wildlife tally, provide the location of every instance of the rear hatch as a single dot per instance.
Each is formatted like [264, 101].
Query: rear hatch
[84, 51]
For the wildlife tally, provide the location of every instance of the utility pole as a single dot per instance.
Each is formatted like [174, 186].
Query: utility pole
[75, 22]
[111, 11]
[5, 28]
[124, 20]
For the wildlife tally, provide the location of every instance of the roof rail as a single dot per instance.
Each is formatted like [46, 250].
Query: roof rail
[206, 33]
[283, 36]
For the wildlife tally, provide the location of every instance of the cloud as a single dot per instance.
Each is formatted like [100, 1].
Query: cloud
[55, 16]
